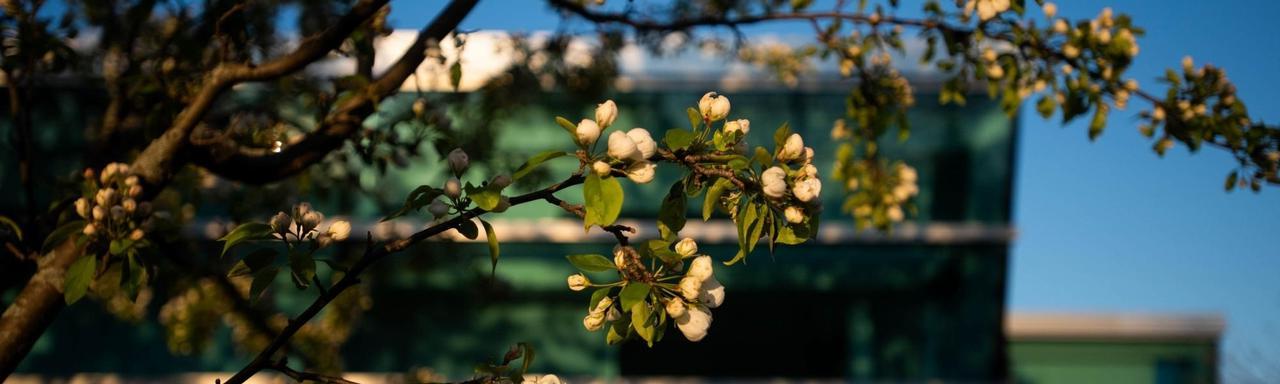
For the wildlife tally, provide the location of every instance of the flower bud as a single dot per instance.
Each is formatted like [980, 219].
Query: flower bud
[712, 293]
[641, 172]
[619, 256]
[99, 213]
[741, 126]
[601, 168]
[419, 107]
[438, 208]
[644, 142]
[695, 323]
[808, 189]
[578, 282]
[894, 214]
[690, 287]
[700, 268]
[88, 174]
[773, 182]
[458, 160]
[105, 196]
[686, 247]
[587, 132]
[311, 220]
[500, 181]
[807, 158]
[794, 215]
[605, 114]
[135, 191]
[136, 235]
[676, 308]
[594, 321]
[808, 170]
[82, 207]
[621, 147]
[280, 223]
[301, 209]
[453, 188]
[603, 304]
[1060, 26]
[340, 230]
[129, 205]
[1050, 9]
[90, 229]
[713, 106]
[792, 149]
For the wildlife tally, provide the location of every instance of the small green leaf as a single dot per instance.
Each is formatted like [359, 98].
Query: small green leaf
[713, 197]
[132, 276]
[534, 162]
[671, 217]
[61, 234]
[633, 293]
[568, 126]
[678, 139]
[455, 74]
[603, 197]
[695, 119]
[598, 295]
[1231, 181]
[618, 331]
[245, 232]
[78, 277]
[763, 156]
[303, 269]
[492, 237]
[261, 280]
[487, 197]
[781, 134]
[17, 231]
[591, 263]
[418, 198]
[253, 262]
[468, 229]
[641, 321]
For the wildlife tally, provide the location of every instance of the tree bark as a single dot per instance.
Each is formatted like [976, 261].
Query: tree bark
[35, 307]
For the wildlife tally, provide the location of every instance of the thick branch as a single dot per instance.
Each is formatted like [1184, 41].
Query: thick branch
[342, 123]
[35, 307]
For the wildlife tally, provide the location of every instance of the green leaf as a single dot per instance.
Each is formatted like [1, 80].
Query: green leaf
[78, 277]
[261, 280]
[671, 217]
[455, 74]
[303, 269]
[678, 139]
[780, 135]
[640, 320]
[418, 198]
[119, 246]
[695, 119]
[17, 231]
[763, 156]
[253, 262]
[713, 197]
[61, 234]
[633, 293]
[618, 331]
[568, 126]
[132, 276]
[487, 197]
[534, 162]
[245, 232]
[591, 263]
[603, 198]
[661, 249]
[1231, 181]
[598, 295]
[492, 236]
[468, 229]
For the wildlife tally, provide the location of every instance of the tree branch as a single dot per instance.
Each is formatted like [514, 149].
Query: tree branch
[339, 125]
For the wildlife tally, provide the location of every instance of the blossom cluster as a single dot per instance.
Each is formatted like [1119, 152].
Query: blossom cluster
[302, 224]
[783, 184]
[628, 152]
[111, 207]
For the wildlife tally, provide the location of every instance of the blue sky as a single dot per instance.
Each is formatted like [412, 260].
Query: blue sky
[1108, 226]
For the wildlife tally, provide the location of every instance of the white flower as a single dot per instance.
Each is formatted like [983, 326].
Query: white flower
[676, 308]
[453, 188]
[545, 379]
[588, 132]
[694, 323]
[500, 181]
[578, 282]
[82, 207]
[792, 149]
[712, 293]
[621, 147]
[438, 208]
[686, 247]
[809, 170]
[458, 160]
[741, 126]
[605, 114]
[774, 182]
[690, 287]
[894, 213]
[641, 172]
[340, 230]
[644, 142]
[986, 8]
[794, 215]
[601, 168]
[700, 268]
[713, 106]
[808, 189]
[594, 321]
